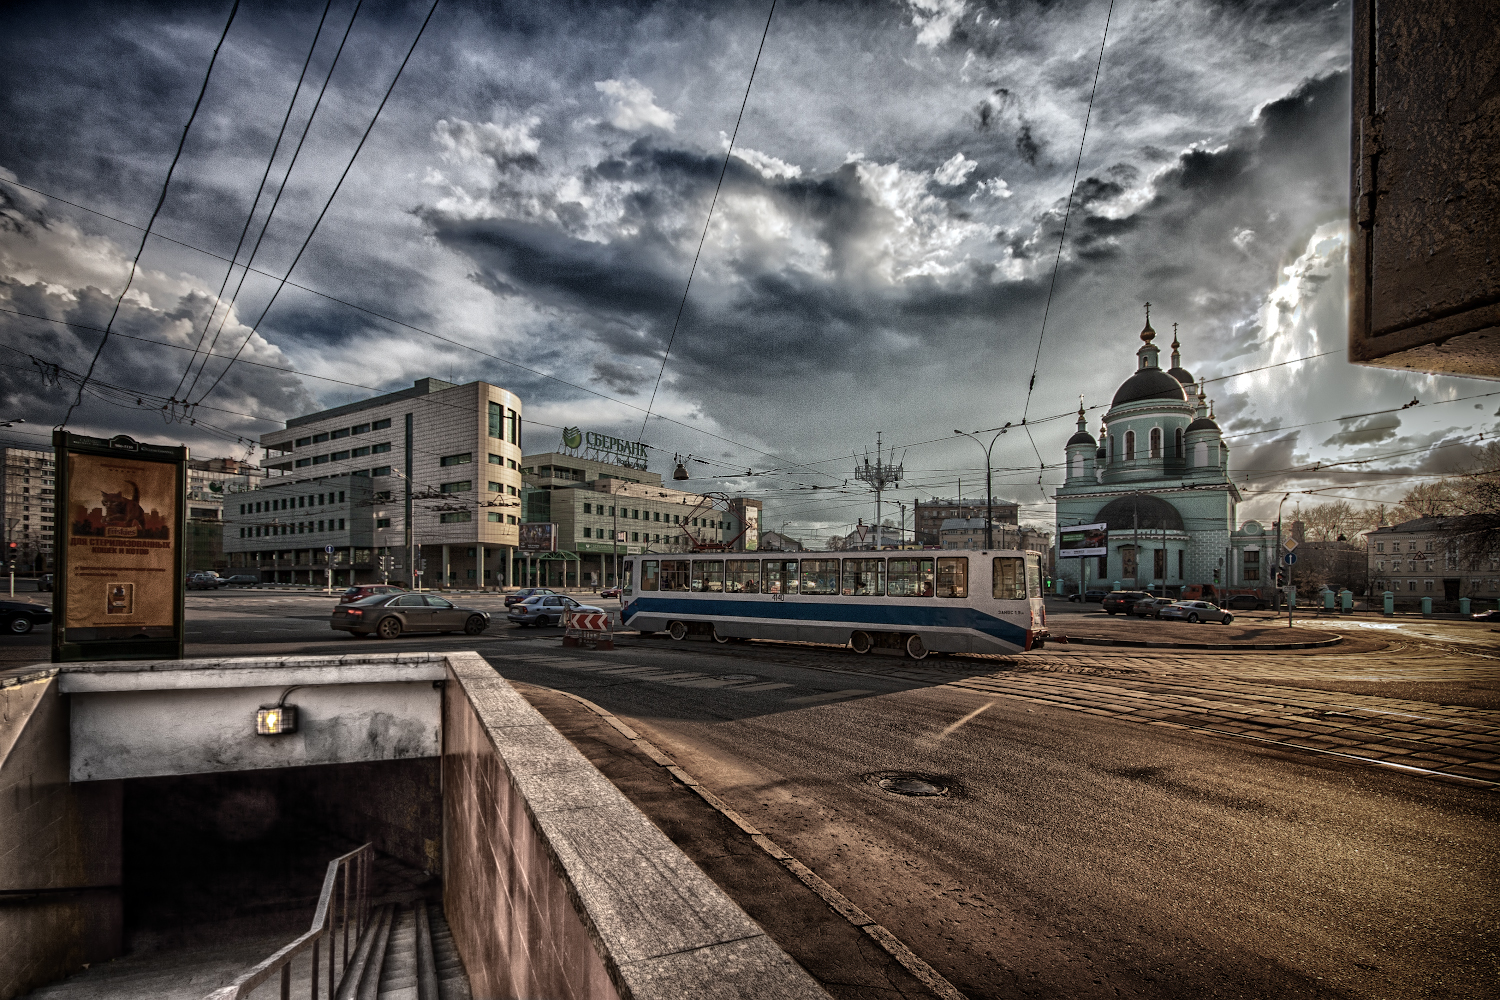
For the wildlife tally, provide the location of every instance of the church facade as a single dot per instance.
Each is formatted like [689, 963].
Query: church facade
[1158, 476]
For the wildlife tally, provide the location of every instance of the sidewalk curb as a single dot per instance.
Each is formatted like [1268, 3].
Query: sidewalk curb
[1223, 647]
[836, 900]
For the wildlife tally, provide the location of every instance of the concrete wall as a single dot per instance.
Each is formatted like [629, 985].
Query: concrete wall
[397, 805]
[556, 886]
[60, 904]
[194, 717]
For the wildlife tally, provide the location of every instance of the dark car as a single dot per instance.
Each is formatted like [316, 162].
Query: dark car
[546, 609]
[1487, 616]
[363, 590]
[389, 615]
[207, 580]
[21, 617]
[522, 595]
[44, 583]
[243, 580]
[1117, 601]
[1246, 602]
[1150, 607]
[609, 592]
[1089, 597]
[1195, 612]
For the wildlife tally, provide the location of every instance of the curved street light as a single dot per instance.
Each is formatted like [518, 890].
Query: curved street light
[989, 492]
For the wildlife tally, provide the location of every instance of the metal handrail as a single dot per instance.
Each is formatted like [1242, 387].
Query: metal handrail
[333, 919]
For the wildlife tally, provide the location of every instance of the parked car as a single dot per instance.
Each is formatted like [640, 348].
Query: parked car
[1088, 597]
[1487, 616]
[1246, 602]
[242, 580]
[44, 583]
[21, 617]
[389, 615]
[1150, 607]
[522, 595]
[206, 580]
[1195, 611]
[546, 609]
[1117, 601]
[363, 590]
[609, 592]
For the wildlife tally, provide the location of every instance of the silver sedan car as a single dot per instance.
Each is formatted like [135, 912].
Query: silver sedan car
[1195, 611]
[389, 615]
[546, 609]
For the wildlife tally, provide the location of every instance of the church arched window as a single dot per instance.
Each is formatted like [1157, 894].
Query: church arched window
[1077, 465]
[1200, 454]
[1156, 442]
[1130, 446]
[1177, 444]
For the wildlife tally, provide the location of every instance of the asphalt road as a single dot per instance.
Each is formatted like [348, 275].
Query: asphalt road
[1076, 853]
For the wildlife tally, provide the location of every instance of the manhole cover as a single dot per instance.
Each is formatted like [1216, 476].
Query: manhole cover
[737, 677]
[905, 783]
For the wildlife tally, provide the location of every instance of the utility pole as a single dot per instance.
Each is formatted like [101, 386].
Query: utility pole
[989, 490]
[883, 473]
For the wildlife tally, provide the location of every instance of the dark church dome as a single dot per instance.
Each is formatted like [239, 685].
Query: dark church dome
[1202, 424]
[1181, 374]
[1150, 383]
[1140, 510]
[1082, 437]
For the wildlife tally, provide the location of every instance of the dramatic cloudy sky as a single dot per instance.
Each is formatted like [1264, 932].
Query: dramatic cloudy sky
[879, 259]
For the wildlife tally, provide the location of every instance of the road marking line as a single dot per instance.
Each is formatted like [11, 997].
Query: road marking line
[836, 901]
[967, 718]
[812, 699]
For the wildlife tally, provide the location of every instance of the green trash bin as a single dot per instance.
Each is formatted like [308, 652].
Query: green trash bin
[1426, 607]
[1463, 605]
[1346, 600]
[1389, 600]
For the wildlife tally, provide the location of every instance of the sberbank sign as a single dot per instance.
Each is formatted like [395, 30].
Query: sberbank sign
[574, 438]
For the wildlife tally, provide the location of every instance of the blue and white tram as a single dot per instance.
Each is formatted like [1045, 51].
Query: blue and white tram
[956, 601]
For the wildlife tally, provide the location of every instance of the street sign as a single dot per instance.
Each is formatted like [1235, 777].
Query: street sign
[1289, 544]
[1289, 558]
[328, 549]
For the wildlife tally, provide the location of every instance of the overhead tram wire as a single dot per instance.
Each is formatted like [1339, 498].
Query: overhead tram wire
[706, 222]
[329, 203]
[134, 264]
[254, 204]
[1062, 237]
[281, 190]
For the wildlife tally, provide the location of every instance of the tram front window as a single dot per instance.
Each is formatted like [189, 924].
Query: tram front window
[742, 576]
[650, 574]
[1033, 575]
[864, 577]
[627, 577]
[1009, 579]
[708, 576]
[780, 576]
[911, 578]
[820, 576]
[674, 574]
[953, 577]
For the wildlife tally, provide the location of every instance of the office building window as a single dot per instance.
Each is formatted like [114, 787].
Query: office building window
[381, 425]
[383, 470]
[360, 452]
[493, 516]
[319, 438]
[380, 449]
[497, 421]
[448, 460]
[588, 532]
[635, 536]
[359, 429]
[588, 508]
[303, 442]
[496, 459]
[455, 517]
[339, 456]
[382, 522]
[462, 486]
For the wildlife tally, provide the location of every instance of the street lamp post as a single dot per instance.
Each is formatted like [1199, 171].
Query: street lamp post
[989, 491]
[1276, 567]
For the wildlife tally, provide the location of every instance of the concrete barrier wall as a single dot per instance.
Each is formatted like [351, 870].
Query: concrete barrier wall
[60, 850]
[556, 886]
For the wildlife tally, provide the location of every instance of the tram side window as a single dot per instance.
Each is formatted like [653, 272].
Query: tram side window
[820, 576]
[742, 576]
[650, 574]
[911, 578]
[1010, 579]
[708, 576]
[953, 577]
[674, 574]
[780, 577]
[1033, 576]
[864, 577]
[627, 578]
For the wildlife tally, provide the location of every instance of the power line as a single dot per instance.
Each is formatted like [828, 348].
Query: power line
[154, 213]
[1067, 212]
[722, 170]
[329, 203]
[255, 203]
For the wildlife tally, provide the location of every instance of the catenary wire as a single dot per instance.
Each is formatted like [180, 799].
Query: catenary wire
[706, 222]
[161, 199]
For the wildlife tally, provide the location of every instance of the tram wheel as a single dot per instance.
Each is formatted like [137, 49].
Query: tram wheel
[860, 642]
[916, 648]
[721, 639]
[677, 630]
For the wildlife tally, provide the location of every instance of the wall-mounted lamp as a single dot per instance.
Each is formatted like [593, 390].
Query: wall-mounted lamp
[278, 719]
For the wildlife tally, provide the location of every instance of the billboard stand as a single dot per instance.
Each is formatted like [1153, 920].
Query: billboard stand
[120, 556]
[1082, 541]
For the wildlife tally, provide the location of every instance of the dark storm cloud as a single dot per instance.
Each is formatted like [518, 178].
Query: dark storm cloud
[1368, 430]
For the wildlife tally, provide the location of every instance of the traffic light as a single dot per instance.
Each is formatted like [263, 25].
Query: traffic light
[1280, 578]
[10, 555]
